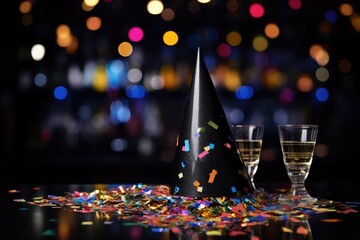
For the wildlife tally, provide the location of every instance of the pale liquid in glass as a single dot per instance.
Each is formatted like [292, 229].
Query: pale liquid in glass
[250, 154]
[297, 158]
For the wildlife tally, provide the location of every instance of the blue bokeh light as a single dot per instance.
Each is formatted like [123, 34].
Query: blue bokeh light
[244, 92]
[60, 92]
[322, 94]
[135, 91]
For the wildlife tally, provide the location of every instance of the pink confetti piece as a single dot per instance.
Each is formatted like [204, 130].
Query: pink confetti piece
[203, 154]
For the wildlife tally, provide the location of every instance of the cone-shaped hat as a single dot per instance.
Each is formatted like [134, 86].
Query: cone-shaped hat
[206, 162]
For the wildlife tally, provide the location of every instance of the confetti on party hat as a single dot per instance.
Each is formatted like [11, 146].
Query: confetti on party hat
[206, 162]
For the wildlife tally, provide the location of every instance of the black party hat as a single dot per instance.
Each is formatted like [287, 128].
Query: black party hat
[206, 162]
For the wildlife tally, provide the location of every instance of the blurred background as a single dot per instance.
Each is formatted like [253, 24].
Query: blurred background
[94, 90]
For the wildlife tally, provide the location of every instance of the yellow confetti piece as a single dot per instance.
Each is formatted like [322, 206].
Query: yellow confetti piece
[200, 189]
[212, 124]
[324, 210]
[181, 175]
[286, 230]
[87, 223]
[213, 233]
[207, 148]
[13, 191]
[19, 200]
[200, 129]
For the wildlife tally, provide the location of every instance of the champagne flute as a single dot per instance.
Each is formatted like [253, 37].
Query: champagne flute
[248, 139]
[297, 145]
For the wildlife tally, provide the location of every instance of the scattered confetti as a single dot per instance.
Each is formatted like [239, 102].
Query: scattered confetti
[153, 206]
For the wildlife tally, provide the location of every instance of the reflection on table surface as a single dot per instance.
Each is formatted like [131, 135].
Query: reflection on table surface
[22, 220]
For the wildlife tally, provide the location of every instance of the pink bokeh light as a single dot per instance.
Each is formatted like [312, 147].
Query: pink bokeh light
[136, 34]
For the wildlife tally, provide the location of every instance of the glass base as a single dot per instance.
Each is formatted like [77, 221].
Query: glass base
[297, 195]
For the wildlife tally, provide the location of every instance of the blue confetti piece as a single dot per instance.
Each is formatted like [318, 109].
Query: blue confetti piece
[251, 208]
[176, 189]
[260, 218]
[233, 189]
[211, 145]
[269, 208]
[187, 146]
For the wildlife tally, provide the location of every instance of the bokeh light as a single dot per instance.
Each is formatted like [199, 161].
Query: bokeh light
[125, 49]
[344, 66]
[223, 50]
[136, 34]
[60, 92]
[322, 94]
[305, 83]
[260, 43]
[256, 10]
[233, 38]
[93, 23]
[346, 9]
[155, 7]
[170, 38]
[272, 30]
[244, 92]
[322, 74]
[38, 52]
[168, 14]
[295, 4]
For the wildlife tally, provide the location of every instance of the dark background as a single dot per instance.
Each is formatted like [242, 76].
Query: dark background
[44, 139]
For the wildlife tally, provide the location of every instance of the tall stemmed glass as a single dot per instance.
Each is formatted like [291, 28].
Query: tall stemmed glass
[249, 140]
[297, 145]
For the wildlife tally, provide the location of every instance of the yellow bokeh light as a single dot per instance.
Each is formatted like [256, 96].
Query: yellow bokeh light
[25, 7]
[233, 38]
[168, 74]
[204, 1]
[93, 23]
[155, 7]
[100, 82]
[260, 43]
[91, 3]
[305, 83]
[232, 80]
[273, 78]
[63, 35]
[170, 38]
[272, 30]
[346, 9]
[125, 49]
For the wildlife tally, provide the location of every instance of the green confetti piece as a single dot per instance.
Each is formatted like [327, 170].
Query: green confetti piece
[212, 124]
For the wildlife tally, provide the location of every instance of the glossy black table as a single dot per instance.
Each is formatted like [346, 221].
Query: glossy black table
[21, 220]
